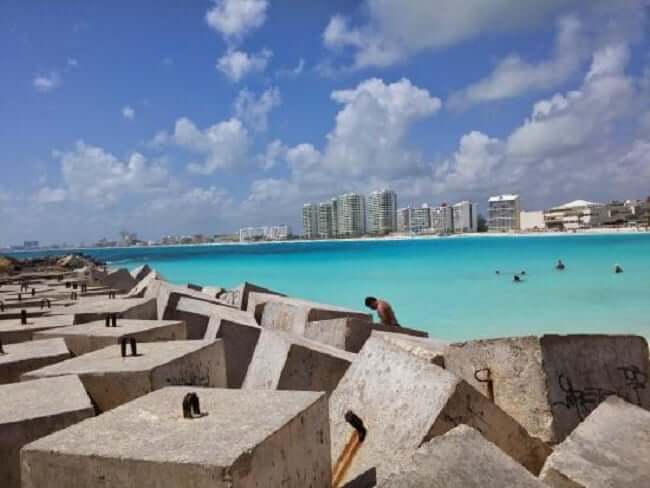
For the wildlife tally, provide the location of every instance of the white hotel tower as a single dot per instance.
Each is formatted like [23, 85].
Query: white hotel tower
[382, 212]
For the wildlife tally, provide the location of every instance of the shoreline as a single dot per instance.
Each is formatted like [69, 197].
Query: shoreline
[394, 237]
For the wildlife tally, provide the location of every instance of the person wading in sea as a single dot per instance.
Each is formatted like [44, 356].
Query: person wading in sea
[384, 310]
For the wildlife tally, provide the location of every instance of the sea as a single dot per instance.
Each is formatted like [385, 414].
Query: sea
[447, 286]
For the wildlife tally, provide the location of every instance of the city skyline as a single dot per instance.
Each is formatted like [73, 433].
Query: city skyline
[207, 117]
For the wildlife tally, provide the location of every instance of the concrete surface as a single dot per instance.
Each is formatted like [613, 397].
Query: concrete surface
[127, 308]
[285, 361]
[551, 383]
[429, 349]
[95, 335]
[140, 272]
[12, 331]
[112, 380]
[461, 458]
[247, 439]
[610, 448]
[120, 279]
[349, 333]
[150, 281]
[28, 356]
[404, 400]
[238, 296]
[29, 411]
[293, 314]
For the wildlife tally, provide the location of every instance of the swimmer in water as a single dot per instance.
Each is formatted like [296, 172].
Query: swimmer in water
[618, 269]
[516, 279]
[560, 265]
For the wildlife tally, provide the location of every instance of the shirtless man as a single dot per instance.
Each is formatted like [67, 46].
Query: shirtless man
[384, 310]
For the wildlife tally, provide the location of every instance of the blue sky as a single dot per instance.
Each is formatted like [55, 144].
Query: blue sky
[176, 117]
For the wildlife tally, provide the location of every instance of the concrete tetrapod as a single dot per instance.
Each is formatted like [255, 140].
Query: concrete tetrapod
[237, 439]
[16, 359]
[127, 308]
[13, 331]
[403, 401]
[549, 384]
[119, 279]
[112, 379]
[461, 458]
[609, 449]
[29, 411]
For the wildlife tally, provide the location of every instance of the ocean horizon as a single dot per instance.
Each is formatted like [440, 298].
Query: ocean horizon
[448, 287]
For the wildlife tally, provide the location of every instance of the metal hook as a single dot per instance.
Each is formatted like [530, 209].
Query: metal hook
[487, 379]
[191, 406]
[357, 424]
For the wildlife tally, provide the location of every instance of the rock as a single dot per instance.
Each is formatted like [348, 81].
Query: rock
[404, 400]
[609, 449]
[119, 279]
[95, 335]
[29, 411]
[349, 333]
[549, 384]
[140, 272]
[27, 356]
[245, 439]
[461, 458]
[112, 380]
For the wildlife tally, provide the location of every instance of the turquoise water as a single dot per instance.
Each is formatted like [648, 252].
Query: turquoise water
[446, 286]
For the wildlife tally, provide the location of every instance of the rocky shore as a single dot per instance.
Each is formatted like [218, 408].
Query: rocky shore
[118, 378]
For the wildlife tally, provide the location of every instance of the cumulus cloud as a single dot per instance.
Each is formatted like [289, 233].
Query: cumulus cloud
[254, 110]
[513, 76]
[238, 64]
[223, 145]
[128, 112]
[233, 19]
[46, 82]
[94, 175]
[571, 140]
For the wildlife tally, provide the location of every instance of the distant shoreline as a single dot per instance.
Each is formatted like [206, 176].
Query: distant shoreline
[393, 237]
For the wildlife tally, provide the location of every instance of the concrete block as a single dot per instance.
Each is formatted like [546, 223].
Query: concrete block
[149, 282]
[461, 458]
[208, 316]
[29, 411]
[119, 279]
[213, 291]
[28, 356]
[140, 272]
[95, 335]
[284, 361]
[350, 333]
[404, 401]
[112, 380]
[12, 331]
[127, 308]
[429, 349]
[14, 313]
[245, 439]
[551, 383]
[238, 296]
[293, 314]
[609, 449]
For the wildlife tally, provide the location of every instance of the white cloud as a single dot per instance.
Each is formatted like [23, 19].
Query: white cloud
[50, 195]
[392, 33]
[233, 19]
[46, 83]
[238, 64]
[128, 112]
[513, 76]
[223, 145]
[292, 72]
[73, 63]
[570, 141]
[93, 175]
[188, 200]
[254, 111]
[275, 153]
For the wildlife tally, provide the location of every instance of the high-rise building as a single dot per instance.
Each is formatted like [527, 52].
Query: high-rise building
[503, 213]
[327, 219]
[442, 219]
[310, 221]
[404, 219]
[465, 217]
[350, 215]
[382, 212]
[420, 218]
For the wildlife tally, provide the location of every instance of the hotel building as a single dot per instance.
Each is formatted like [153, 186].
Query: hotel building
[465, 217]
[310, 221]
[382, 212]
[503, 213]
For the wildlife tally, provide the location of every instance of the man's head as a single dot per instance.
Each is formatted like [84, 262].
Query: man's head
[371, 302]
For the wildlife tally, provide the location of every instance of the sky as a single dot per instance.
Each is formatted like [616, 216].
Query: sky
[182, 117]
